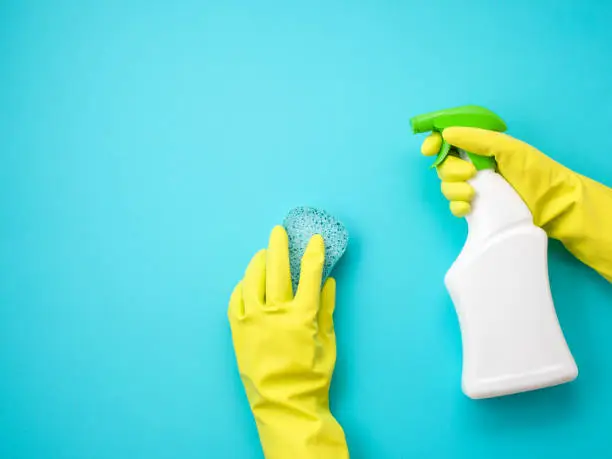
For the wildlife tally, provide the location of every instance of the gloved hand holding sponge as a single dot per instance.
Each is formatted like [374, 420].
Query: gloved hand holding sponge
[285, 343]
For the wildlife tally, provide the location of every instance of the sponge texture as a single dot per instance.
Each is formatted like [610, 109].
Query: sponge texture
[301, 224]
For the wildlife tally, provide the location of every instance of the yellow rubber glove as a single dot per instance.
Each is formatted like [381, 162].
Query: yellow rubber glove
[286, 351]
[568, 206]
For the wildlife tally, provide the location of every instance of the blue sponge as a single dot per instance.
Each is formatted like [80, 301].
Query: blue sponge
[301, 224]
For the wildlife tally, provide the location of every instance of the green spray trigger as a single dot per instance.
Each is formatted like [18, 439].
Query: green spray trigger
[444, 151]
[465, 116]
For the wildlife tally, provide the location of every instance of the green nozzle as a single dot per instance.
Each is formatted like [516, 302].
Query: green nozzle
[466, 116]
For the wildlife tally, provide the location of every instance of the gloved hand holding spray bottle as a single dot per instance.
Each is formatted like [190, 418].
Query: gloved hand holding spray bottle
[512, 340]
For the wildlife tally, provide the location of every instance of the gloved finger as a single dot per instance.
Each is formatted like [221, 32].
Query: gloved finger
[482, 141]
[432, 144]
[328, 304]
[325, 329]
[457, 191]
[311, 272]
[254, 283]
[460, 208]
[455, 169]
[236, 308]
[278, 273]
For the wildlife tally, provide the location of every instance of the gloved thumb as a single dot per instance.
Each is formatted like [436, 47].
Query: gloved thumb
[527, 169]
[484, 142]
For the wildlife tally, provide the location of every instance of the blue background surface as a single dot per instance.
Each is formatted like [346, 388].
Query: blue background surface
[147, 149]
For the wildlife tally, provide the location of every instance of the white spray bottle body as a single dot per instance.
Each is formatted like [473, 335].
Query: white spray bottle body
[511, 337]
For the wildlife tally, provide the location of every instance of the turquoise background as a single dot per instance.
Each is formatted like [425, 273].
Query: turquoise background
[148, 147]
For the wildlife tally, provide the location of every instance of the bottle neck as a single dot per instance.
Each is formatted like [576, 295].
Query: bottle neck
[496, 206]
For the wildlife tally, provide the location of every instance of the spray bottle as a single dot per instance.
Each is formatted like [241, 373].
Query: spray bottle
[511, 337]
